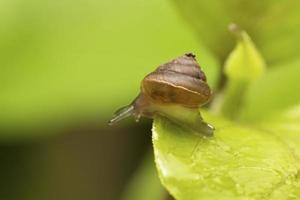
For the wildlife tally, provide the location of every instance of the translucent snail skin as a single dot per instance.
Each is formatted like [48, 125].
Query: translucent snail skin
[175, 90]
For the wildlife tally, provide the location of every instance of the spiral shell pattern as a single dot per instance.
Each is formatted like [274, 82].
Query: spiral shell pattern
[180, 81]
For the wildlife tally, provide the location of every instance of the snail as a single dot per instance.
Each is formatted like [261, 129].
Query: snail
[175, 90]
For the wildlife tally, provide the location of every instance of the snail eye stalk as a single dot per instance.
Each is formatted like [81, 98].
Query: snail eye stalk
[122, 113]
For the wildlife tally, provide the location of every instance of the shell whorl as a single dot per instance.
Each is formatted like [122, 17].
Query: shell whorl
[180, 81]
[185, 64]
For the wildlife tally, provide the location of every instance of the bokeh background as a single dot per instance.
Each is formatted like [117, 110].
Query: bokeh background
[66, 66]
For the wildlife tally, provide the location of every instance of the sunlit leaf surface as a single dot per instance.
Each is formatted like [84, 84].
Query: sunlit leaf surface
[239, 162]
[246, 158]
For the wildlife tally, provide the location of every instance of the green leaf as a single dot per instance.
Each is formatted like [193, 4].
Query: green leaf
[273, 25]
[242, 161]
[245, 62]
[243, 66]
[288, 123]
[276, 91]
[239, 162]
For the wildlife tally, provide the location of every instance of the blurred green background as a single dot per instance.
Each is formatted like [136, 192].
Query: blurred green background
[65, 66]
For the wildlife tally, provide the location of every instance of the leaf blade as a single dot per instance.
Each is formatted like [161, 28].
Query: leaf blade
[238, 163]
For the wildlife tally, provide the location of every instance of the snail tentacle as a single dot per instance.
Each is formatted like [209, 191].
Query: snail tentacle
[174, 90]
[122, 113]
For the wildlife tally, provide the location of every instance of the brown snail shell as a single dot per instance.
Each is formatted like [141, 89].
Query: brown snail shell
[180, 82]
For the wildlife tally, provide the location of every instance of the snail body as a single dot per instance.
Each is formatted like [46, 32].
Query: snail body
[175, 90]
